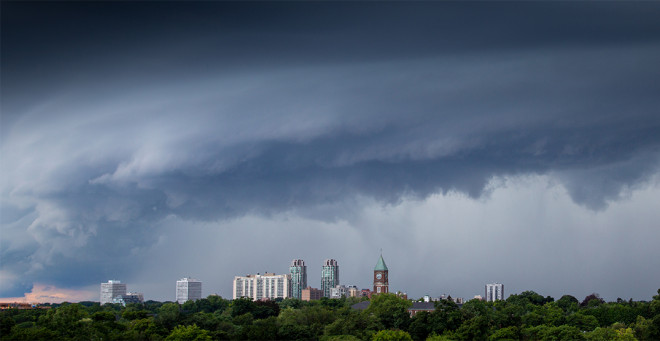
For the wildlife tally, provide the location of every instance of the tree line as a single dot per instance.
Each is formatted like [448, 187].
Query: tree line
[525, 316]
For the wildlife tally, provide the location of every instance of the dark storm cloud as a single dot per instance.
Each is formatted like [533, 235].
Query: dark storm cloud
[117, 116]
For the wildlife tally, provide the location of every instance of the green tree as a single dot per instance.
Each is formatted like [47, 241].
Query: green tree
[357, 323]
[446, 317]
[242, 306]
[508, 333]
[6, 323]
[583, 322]
[263, 329]
[391, 310]
[568, 303]
[168, 315]
[189, 333]
[421, 326]
[145, 329]
[391, 335]
[601, 334]
[134, 314]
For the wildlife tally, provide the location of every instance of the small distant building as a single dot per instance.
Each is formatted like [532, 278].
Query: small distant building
[478, 297]
[113, 288]
[361, 306]
[494, 292]
[130, 297]
[365, 293]
[401, 294]
[258, 287]
[353, 291]
[188, 289]
[421, 306]
[311, 294]
[339, 291]
[413, 310]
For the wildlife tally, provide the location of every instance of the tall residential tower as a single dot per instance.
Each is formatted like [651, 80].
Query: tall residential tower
[298, 271]
[188, 289]
[494, 292]
[329, 276]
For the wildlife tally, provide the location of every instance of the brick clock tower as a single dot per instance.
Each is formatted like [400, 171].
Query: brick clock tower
[381, 282]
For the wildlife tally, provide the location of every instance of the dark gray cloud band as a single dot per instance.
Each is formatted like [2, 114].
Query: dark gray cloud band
[92, 165]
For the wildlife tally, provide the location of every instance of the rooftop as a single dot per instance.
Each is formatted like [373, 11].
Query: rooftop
[380, 266]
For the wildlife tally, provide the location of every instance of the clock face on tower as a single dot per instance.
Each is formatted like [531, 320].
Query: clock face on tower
[379, 276]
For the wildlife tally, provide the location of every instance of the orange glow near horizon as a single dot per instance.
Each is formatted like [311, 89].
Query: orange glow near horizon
[43, 293]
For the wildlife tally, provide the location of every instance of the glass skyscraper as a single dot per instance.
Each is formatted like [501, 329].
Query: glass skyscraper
[298, 271]
[329, 276]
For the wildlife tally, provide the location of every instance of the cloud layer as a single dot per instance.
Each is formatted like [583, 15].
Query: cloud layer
[97, 161]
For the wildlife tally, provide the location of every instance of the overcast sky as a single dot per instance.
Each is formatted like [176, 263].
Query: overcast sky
[473, 142]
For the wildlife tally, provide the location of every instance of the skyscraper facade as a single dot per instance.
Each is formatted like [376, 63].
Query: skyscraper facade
[381, 274]
[188, 289]
[494, 292]
[258, 287]
[298, 271]
[329, 276]
[112, 289]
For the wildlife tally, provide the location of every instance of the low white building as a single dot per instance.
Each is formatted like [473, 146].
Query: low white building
[130, 297]
[339, 291]
[113, 288]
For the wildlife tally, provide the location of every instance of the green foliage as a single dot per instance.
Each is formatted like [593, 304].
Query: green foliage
[391, 310]
[356, 323]
[188, 333]
[446, 317]
[132, 313]
[508, 333]
[242, 306]
[340, 338]
[582, 322]
[168, 315]
[391, 335]
[568, 303]
[527, 316]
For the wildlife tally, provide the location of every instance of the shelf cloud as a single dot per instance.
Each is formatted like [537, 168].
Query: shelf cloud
[99, 149]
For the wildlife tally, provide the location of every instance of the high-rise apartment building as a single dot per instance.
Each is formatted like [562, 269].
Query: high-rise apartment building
[298, 272]
[329, 276]
[494, 292]
[188, 289]
[112, 289]
[268, 285]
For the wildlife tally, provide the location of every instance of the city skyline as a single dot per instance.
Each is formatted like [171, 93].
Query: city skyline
[473, 142]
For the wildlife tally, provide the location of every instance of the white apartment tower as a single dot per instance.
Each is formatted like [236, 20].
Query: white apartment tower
[329, 276]
[188, 289]
[494, 292]
[298, 271]
[111, 290]
[266, 286]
